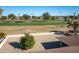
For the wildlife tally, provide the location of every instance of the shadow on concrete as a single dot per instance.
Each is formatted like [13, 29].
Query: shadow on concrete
[15, 45]
[55, 44]
[72, 40]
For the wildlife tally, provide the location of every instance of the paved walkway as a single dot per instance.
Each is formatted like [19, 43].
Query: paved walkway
[45, 33]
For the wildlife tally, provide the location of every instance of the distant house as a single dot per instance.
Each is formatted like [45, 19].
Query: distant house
[60, 17]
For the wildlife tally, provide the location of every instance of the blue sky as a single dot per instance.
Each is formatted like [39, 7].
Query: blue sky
[38, 10]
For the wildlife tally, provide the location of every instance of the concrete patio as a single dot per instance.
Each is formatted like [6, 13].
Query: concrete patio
[71, 41]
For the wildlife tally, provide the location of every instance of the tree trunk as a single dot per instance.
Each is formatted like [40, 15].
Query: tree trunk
[75, 30]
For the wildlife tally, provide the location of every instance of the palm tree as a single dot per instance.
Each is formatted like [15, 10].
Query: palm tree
[74, 13]
[78, 16]
[75, 25]
[74, 16]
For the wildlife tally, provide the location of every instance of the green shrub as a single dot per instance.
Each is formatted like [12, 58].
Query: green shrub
[27, 41]
[2, 35]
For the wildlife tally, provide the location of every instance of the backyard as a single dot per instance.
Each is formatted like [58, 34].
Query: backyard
[45, 32]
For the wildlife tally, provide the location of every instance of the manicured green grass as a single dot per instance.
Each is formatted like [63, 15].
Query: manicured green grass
[33, 23]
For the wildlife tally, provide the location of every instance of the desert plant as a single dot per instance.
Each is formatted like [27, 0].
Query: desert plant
[27, 41]
[75, 25]
[2, 35]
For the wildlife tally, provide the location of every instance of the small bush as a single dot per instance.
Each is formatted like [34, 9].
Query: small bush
[27, 41]
[2, 35]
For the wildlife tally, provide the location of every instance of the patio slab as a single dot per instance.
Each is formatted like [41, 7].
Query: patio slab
[72, 41]
[7, 47]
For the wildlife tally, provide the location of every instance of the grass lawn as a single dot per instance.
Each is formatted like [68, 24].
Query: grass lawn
[33, 23]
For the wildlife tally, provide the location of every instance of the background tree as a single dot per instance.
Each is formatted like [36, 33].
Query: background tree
[26, 17]
[21, 18]
[1, 12]
[34, 18]
[12, 16]
[74, 16]
[3, 18]
[46, 16]
[78, 15]
[53, 18]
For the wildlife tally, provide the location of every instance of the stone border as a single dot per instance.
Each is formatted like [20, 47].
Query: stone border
[1, 44]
